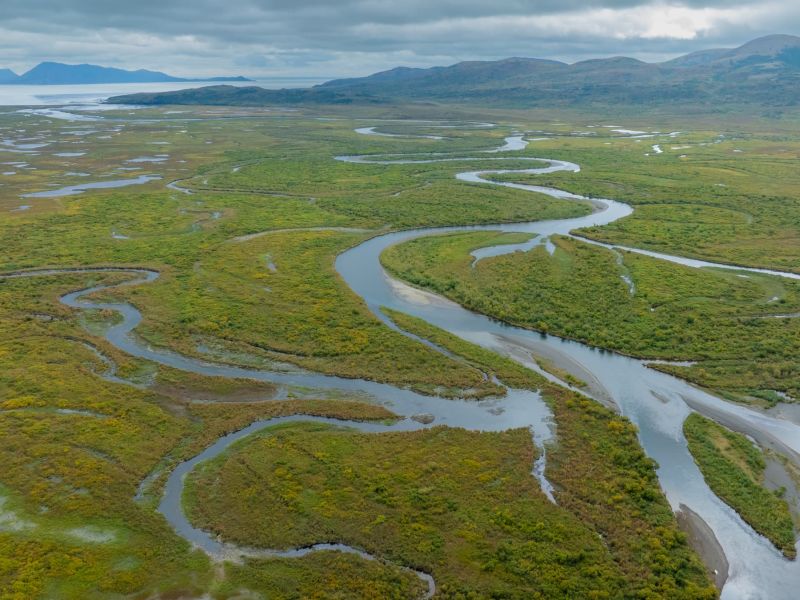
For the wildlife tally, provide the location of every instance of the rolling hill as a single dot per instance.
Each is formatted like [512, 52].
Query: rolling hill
[765, 71]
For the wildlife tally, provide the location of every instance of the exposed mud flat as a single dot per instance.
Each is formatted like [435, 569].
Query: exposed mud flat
[703, 541]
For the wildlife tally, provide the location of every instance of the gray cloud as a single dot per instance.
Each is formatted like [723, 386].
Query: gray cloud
[353, 37]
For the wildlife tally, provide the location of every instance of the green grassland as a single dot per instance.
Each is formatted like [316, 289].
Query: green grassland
[715, 317]
[322, 575]
[77, 446]
[730, 199]
[218, 292]
[70, 512]
[734, 469]
[624, 504]
[460, 505]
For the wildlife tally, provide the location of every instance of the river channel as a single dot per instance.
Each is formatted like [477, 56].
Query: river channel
[656, 402]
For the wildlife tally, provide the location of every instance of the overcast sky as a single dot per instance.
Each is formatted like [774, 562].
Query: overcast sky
[334, 38]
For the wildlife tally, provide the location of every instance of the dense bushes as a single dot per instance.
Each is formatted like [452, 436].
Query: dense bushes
[734, 468]
[675, 312]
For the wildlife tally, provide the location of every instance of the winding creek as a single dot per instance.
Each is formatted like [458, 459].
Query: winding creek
[656, 402]
[518, 408]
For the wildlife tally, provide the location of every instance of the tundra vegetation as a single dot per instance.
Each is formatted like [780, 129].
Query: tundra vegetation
[734, 468]
[729, 323]
[78, 445]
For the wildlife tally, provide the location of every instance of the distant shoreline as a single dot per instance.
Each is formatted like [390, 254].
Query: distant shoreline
[61, 95]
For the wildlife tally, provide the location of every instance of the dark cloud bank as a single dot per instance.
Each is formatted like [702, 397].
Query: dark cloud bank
[355, 37]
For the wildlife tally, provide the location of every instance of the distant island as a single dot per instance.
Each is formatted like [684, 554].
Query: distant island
[54, 73]
[764, 72]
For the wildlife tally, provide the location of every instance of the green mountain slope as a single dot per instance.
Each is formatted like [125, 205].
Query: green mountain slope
[765, 71]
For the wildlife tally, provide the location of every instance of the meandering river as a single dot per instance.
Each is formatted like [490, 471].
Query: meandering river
[656, 402]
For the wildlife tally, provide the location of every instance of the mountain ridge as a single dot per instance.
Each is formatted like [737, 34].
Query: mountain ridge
[763, 71]
[56, 73]
[7, 76]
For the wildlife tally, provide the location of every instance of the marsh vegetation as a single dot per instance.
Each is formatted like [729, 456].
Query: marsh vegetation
[729, 323]
[734, 468]
[78, 444]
